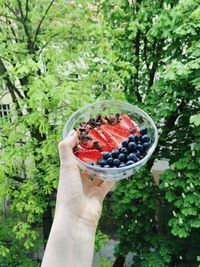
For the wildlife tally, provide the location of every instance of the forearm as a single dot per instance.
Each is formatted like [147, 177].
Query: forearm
[71, 242]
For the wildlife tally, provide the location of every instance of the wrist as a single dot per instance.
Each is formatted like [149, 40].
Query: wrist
[73, 220]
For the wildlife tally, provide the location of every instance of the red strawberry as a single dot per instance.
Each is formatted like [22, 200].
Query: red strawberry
[92, 155]
[116, 133]
[128, 124]
[87, 145]
[109, 137]
[96, 136]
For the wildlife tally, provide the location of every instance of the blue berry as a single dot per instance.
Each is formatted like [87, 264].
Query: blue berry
[115, 153]
[122, 157]
[106, 155]
[124, 150]
[137, 153]
[130, 162]
[125, 143]
[116, 162]
[110, 161]
[132, 147]
[145, 138]
[131, 138]
[143, 153]
[91, 163]
[141, 156]
[146, 145]
[140, 147]
[122, 165]
[132, 157]
[107, 166]
[143, 130]
[136, 138]
[102, 162]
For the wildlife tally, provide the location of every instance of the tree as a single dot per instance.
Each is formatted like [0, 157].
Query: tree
[42, 67]
[157, 43]
[56, 56]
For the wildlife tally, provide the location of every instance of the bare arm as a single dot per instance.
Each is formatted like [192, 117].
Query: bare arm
[78, 208]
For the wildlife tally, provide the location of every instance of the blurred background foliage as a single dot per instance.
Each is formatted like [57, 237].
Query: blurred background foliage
[56, 56]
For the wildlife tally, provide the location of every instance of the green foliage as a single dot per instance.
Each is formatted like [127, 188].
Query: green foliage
[145, 52]
[101, 240]
[160, 39]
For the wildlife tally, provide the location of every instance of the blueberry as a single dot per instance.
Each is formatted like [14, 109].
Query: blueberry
[116, 162]
[143, 153]
[143, 130]
[122, 165]
[107, 166]
[136, 138]
[137, 153]
[131, 138]
[146, 145]
[132, 147]
[130, 162]
[125, 143]
[132, 157]
[110, 161]
[123, 150]
[115, 153]
[91, 163]
[141, 156]
[106, 155]
[140, 147]
[145, 138]
[122, 157]
[102, 162]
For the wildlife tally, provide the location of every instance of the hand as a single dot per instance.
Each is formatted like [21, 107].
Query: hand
[77, 193]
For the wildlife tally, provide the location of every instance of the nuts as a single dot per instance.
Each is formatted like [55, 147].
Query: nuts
[104, 121]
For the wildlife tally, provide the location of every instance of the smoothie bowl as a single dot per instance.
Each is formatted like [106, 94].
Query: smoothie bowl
[115, 138]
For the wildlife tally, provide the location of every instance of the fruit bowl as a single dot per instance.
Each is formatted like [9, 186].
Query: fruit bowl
[110, 107]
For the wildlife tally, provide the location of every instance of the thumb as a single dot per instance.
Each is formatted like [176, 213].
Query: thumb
[65, 148]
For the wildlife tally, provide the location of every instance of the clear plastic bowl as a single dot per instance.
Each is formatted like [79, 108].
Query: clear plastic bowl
[109, 107]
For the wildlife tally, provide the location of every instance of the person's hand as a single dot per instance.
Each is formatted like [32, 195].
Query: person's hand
[77, 193]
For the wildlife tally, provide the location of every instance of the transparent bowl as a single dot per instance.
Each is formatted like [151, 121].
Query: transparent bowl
[110, 107]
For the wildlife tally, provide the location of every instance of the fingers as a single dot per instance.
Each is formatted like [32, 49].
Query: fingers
[87, 183]
[65, 146]
[106, 186]
[97, 181]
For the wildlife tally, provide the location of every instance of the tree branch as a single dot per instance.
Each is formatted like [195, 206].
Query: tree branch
[41, 21]
[26, 16]
[145, 52]
[137, 65]
[10, 85]
[12, 30]
[26, 30]
[20, 9]
[47, 43]
[18, 179]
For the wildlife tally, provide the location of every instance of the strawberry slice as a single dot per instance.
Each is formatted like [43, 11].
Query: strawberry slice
[97, 137]
[87, 145]
[115, 133]
[128, 124]
[109, 137]
[92, 155]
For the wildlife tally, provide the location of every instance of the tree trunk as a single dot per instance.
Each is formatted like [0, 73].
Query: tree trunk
[47, 221]
[119, 262]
